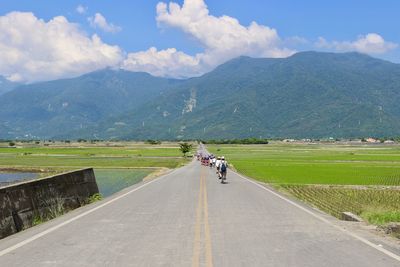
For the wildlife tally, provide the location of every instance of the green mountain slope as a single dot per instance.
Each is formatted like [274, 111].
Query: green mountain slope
[307, 95]
[53, 108]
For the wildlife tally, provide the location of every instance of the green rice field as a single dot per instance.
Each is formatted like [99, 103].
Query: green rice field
[117, 165]
[315, 164]
[363, 179]
[125, 155]
[376, 205]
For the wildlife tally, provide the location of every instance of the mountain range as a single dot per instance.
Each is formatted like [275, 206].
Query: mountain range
[6, 85]
[307, 95]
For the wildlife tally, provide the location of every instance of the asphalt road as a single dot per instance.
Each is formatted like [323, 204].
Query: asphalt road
[187, 218]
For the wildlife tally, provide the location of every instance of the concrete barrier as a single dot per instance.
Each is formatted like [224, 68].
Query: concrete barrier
[349, 216]
[23, 203]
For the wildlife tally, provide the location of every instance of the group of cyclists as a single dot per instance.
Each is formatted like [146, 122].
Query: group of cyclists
[219, 163]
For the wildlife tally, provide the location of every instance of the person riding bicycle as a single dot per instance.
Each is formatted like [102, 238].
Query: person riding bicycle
[217, 163]
[214, 161]
[223, 166]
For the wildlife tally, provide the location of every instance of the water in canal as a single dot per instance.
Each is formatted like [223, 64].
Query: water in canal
[8, 177]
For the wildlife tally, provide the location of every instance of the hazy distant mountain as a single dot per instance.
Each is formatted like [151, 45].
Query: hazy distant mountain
[58, 107]
[6, 85]
[307, 95]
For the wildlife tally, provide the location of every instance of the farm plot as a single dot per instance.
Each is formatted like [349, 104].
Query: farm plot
[315, 164]
[376, 205]
[76, 156]
[363, 179]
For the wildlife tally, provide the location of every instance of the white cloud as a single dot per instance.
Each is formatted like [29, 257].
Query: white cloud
[99, 21]
[372, 43]
[34, 50]
[169, 63]
[81, 9]
[221, 33]
[223, 38]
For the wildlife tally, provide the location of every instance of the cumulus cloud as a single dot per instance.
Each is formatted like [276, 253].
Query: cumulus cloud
[99, 21]
[222, 38]
[372, 43]
[168, 62]
[221, 33]
[34, 50]
[81, 9]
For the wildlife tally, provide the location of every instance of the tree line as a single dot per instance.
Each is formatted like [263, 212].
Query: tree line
[245, 141]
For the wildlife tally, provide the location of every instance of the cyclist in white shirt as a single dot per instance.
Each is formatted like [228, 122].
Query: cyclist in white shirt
[223, 166]
[217, 163]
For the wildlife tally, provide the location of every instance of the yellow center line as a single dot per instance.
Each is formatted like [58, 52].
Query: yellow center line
[207, 228]
[202, 218]
[197, 229]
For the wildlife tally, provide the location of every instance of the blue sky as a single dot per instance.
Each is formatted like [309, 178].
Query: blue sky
[189, 41]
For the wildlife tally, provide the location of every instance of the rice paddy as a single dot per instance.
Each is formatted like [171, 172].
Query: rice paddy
[363, 179]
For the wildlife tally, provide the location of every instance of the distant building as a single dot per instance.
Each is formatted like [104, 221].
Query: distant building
[372, 140]
[289, 140]
[389, 142]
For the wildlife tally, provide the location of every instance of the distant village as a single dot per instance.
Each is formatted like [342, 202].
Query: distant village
[368, 140]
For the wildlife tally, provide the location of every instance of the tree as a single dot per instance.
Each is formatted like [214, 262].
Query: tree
[153, 142]
[185, 148]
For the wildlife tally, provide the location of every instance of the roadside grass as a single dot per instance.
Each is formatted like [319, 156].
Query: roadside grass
[381, 217]
[362, 179]
[94, 198]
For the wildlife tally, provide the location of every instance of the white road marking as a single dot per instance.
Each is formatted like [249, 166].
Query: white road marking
[365, 241]
[54, 228]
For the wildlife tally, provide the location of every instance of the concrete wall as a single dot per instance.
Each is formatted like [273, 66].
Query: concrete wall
[21, 204]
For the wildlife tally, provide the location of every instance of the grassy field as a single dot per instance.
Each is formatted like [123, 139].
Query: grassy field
[117, 165]
[332, 177]
[128, 151]
[126, 155]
